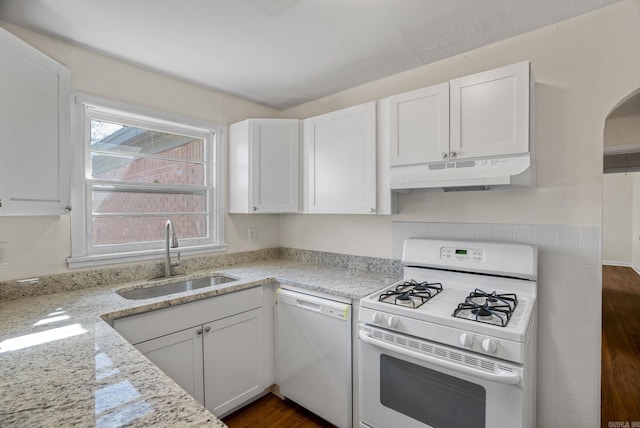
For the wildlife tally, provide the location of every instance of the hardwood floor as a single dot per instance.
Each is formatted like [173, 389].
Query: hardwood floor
[620, 346]
[272, 412]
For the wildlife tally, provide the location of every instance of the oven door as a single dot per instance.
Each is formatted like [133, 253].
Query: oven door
[411, 383]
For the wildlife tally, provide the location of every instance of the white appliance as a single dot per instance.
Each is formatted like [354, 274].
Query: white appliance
[469, 174]
[313, 354]
[453, 344]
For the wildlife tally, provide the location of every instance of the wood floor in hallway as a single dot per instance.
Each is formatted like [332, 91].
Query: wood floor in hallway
[620, 346]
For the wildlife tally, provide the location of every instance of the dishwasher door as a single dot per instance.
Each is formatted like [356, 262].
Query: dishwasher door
[313, 354]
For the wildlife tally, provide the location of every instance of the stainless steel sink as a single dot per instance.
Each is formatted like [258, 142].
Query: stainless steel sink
[176, 287]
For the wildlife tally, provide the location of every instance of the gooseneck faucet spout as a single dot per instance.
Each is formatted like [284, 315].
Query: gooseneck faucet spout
[170, 241]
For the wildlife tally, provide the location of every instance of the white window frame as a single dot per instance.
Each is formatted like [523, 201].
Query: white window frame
[83, 253]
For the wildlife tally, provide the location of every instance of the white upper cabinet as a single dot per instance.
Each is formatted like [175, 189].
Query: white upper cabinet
[264, 166]
[490, 113]
[340, 161]
[420, 125]
[34, 130]
[485, 114]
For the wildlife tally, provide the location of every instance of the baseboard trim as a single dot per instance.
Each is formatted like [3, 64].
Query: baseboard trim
[637, 269]
[612, 263]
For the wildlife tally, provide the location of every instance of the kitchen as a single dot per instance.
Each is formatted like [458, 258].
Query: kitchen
[583, 69]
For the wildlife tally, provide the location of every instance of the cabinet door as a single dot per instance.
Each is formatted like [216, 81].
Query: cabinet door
[233, 352]
[264, 166]
[179, 355]
[490, 112]
[274, 171]
[420, 125]
[34, 130]
[340, 161]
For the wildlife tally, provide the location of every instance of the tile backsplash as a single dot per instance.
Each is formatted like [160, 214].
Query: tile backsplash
[569, 310]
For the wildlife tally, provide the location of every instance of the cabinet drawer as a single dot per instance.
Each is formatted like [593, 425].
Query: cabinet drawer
[149, 325]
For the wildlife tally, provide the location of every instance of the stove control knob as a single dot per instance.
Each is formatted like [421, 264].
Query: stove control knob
[376, 318]
[490, 346]
[466, 340]
[392, 321]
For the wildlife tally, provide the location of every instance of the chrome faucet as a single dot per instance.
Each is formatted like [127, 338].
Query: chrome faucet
[170, 241]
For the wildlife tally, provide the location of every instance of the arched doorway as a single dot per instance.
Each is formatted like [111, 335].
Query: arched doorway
[620, 375]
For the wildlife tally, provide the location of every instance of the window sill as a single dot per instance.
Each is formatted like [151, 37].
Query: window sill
[140, 256]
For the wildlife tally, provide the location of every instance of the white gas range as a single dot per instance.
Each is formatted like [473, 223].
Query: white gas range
[453, 343]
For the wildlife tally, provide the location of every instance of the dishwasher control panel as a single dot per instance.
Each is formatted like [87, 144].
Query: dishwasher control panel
[336, 313]
[320, 305]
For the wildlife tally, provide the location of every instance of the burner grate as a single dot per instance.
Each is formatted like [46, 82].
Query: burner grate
[488, 308]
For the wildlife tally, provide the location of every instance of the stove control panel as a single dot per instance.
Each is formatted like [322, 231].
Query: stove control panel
[462, 254]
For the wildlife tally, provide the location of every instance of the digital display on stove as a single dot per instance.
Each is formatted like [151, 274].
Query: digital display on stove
[463, 255]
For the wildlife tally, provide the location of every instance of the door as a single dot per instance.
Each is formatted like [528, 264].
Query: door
[179, 355]
[490, 113]
[420, 125]
[340, 161]
[274, 175]
[233, 352]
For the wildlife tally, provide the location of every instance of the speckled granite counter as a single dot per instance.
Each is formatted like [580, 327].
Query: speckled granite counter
[61, 364]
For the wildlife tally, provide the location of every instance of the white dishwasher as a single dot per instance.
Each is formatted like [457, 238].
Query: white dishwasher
[313, 354]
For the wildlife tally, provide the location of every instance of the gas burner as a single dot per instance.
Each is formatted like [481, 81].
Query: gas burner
[481, 313]
[424, 288]
[411, 294]
[488, 308]
[482, 298]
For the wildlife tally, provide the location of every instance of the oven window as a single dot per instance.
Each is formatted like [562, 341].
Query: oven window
[429, 396]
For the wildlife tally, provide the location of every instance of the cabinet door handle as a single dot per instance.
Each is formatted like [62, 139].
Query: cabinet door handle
[444, 155]
[372, 210]
[453, 154]
[199, 331]
[207, 329]
[255, 208]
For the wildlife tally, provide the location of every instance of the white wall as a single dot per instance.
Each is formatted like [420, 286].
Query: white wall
[40, 245]
[617, 215]
[583, 66]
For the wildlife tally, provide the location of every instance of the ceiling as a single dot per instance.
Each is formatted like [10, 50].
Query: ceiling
[285, 52]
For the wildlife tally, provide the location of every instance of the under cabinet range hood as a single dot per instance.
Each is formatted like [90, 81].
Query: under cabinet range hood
[466, 175]
[474, 132]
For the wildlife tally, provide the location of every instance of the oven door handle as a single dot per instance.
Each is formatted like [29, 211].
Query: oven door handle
[504, 377]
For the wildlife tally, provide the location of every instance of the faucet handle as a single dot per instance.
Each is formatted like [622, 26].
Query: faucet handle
[176, 263]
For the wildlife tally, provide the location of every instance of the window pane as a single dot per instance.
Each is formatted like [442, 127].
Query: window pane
[124, 229]
[146, 170]
[109, 201]
[107, 136]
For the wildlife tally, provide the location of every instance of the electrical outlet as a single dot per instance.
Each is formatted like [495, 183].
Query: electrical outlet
[252, 234]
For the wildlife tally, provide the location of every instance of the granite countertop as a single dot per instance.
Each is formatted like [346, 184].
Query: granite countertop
[62, 364]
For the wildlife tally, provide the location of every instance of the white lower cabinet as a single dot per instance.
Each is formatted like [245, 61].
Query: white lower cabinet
[222, 363]
[232, 361]
[179, 355]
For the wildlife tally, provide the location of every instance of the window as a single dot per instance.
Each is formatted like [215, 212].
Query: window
[141, 169]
